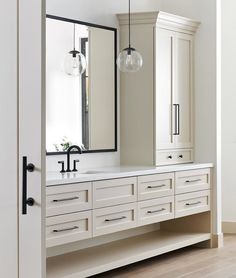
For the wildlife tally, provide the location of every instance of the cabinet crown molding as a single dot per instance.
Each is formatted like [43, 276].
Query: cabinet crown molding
[162, 20]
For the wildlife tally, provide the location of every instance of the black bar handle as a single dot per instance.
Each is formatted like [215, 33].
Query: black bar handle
[25, 200]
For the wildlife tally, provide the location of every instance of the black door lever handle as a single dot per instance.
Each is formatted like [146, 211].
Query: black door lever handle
[25, 200]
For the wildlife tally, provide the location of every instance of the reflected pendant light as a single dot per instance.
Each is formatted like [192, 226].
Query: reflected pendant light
[75, 62]
[129, 60]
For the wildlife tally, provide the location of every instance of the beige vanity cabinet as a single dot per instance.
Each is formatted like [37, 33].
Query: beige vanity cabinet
[157, 128]
[102, 224]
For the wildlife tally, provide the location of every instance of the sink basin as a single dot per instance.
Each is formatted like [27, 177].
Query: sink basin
[92, 172]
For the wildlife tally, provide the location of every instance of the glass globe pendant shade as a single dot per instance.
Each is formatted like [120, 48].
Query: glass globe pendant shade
[129, 60]
[75, 63]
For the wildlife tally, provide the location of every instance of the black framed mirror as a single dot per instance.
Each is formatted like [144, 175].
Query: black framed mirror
[81, 109]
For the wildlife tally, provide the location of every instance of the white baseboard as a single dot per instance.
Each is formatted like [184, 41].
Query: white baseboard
[229, 227]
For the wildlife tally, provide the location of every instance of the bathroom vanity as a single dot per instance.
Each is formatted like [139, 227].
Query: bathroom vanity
[107, 218]
[101, 219]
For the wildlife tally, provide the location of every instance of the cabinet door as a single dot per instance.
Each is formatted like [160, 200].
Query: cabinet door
[183, 89]
[164, 89]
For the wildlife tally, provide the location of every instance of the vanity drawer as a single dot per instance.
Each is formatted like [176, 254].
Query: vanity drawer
[156, 210]
[174, 157]
[155, 186]
[194, 180]
[192, 203]
[68, 228]
[114, 219]
[68, 198]
[114, 192]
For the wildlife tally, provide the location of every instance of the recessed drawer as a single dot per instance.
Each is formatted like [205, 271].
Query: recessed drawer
[114, 192]
[194, 180]
[114, 219]
[156, 210]
[155, 186]
[192, 203]
[68, 198]
[68, 228]
[174, 157]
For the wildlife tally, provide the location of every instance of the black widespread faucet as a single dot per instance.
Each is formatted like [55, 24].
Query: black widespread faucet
[68, 155]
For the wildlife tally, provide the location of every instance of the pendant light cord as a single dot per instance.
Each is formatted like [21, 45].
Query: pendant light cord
[129, 27]
[74, 38]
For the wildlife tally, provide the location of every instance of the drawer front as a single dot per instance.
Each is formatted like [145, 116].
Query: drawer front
[114, 192]
[114, 219]
[68, 198]
[68, 228]
[155, 186]
[192, 203]
[174, 157]
[190, 181]
[156, 210]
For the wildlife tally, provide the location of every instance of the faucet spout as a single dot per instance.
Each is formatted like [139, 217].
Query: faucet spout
[69, 153]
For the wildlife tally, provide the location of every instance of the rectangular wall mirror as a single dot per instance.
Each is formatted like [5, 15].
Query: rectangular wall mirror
[81, 110]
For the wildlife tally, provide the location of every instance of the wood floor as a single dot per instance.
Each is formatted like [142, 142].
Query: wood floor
[188, 263]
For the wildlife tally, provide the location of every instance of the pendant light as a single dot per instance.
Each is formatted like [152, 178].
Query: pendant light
[75, 62]
[129, 60]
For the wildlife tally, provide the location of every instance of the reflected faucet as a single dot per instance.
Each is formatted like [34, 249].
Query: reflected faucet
[69, 153]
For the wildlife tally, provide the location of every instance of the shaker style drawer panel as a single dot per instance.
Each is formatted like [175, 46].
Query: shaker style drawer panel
[68, 228]
[114, 192]
[155, 186]
[190, 181]
[68, 198]
[192, 203]
[157, 210]
[174, 157]
[114, 219]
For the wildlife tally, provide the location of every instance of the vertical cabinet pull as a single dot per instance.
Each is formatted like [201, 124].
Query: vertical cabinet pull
[177, 119]
[25, 200]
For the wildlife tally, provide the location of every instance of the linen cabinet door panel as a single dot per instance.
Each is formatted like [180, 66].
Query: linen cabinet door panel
[164, 89]
[114, 192]
[183, 91]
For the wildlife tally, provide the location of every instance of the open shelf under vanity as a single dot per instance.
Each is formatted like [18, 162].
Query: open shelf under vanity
[102, 258]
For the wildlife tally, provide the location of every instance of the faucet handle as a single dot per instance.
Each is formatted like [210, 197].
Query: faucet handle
[75, 161]
[62, 166]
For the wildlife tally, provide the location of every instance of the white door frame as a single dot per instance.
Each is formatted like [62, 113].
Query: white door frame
[8, 141]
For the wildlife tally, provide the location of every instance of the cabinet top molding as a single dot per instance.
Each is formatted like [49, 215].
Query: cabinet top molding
[162, 20]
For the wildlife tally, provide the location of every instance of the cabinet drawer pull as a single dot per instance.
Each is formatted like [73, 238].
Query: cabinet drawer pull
[190, 181]
[66, 229]
[156, 211]
[115, 219]
[66, 199]
[156, 186]
[193, 204]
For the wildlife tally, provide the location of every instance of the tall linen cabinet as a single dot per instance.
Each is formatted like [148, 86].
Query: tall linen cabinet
[157, 111]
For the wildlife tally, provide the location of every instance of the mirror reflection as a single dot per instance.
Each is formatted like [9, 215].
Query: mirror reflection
[80, 86]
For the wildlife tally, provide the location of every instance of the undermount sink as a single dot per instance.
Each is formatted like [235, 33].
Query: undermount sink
[92, 172]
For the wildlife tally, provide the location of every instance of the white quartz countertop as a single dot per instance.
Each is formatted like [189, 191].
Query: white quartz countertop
[87, 175]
